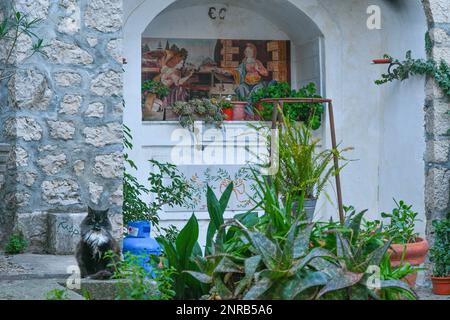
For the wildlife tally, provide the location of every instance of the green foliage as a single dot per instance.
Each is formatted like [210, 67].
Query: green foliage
[402, 221]
[388, 273]
[208, 110]
[16, 244]
[57, 294]
[440, 252]
[278, 263]
[179, 256]
[167, 184]
[310, 114]
[222, 103]
[170, 233]
[11, 29]
[303, 169]
[137, 283]
[155, 87]
[439, 71]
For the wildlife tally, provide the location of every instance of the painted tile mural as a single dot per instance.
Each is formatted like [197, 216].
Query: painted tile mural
[218, 178]
[199, 68]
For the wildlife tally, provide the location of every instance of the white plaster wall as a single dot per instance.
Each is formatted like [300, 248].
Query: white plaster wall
[383, 124]
[403, 141]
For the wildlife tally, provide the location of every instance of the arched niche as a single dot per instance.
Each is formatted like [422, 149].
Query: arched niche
[389, 157]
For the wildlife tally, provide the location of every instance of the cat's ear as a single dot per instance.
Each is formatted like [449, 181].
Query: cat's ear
[90, 211]
[105, 212]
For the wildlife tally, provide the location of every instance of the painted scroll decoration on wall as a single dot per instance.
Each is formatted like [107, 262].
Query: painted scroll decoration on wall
[199, 68]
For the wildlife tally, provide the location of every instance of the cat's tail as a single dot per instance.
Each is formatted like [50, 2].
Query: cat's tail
[101, 275]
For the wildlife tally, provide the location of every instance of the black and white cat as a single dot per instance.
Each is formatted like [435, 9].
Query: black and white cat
[96, 240]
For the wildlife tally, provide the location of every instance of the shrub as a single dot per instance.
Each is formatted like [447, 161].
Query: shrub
[57, 294]
[402, 222]
[16, 244]
[440, 252]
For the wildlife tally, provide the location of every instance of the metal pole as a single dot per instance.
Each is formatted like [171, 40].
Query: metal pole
[336, 163]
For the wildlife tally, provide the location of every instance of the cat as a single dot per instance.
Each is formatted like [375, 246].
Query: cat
[96, 240]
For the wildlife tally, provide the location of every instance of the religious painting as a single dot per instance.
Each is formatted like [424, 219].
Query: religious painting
[185, 69]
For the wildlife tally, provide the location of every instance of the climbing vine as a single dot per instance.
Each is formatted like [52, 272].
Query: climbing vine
[439, 71]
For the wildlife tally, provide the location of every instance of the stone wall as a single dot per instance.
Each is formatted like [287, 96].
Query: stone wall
[63, 119]
[437, 119]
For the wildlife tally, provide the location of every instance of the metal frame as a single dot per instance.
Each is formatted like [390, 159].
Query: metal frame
[280, 102]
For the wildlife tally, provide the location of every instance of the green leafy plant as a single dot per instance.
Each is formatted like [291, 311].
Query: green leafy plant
[184, 254]
[57, 294]
[222, 103]
[167, 184]
[440, 252]
[310, 114]
[357, 251]
[275, 256]
[155, 87]
[303, 169]
[16, 244]
[138, 284]
[170, 233]
[208, 110]
[388, 273]
[402, 222]
[439, 71]
[179, 256]
[12, 29]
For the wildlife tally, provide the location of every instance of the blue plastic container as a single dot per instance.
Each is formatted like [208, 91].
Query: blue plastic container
[139, 243]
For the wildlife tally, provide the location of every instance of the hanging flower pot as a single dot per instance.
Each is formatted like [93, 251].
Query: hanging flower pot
[239, 110]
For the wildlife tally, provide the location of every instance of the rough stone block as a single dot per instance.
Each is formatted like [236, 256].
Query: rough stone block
[34, 228]
[64, 232]
[438, 151]
[437, 189]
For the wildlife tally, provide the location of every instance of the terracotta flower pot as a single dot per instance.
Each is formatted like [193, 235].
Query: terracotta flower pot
[228, 113]
[415, 255]
[239, 110]
[441, 286]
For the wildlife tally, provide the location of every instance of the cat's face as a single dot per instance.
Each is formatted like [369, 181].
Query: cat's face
[97, 220]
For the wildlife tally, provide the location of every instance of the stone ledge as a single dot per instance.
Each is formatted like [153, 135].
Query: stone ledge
[99, 289]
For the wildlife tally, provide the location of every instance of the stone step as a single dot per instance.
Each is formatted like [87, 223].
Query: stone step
[4, 147]
[2, 168]
[3, 158]
[33, 289]
[104, 289]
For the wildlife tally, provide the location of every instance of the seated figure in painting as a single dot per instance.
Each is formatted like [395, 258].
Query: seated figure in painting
[248, 77]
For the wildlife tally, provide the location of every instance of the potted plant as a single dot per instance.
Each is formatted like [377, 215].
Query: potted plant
[304, 170]
[407, 246]
[152, 90]
[207, 110]
[309, 113]
[227, 108]
[239, 110]
[440, 256]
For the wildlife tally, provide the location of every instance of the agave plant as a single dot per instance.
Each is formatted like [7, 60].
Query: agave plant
[276, 268]
[359, 258]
